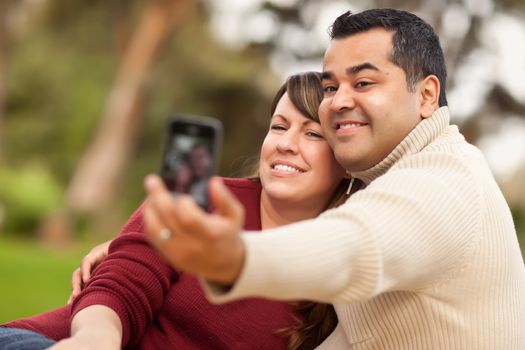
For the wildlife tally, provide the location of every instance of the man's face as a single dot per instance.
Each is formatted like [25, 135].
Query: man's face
[367, 109]
[200, 161]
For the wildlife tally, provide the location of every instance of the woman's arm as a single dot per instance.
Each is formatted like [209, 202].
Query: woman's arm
[133, 281]
[95, 327]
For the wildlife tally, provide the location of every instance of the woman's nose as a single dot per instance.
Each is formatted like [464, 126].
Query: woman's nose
[289, 142]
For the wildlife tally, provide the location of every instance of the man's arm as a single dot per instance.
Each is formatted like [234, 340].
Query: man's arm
[407, 230]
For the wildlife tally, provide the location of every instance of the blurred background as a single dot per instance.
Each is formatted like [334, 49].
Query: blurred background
[86, 87]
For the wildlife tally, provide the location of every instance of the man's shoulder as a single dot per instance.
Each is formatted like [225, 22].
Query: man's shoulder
[447, 149]
[447, 163]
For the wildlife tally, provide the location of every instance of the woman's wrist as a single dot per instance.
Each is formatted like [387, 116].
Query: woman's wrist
[98, 327]
[97, 339]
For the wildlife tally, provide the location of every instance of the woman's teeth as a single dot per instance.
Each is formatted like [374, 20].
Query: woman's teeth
[286, 168]
[349, 126]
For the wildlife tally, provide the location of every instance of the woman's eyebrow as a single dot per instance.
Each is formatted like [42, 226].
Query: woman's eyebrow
[280, 116]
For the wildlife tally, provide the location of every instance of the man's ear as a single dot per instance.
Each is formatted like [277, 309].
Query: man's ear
[429, 92]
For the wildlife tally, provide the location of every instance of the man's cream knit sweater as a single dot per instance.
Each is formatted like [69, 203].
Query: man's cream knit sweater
[425, 257]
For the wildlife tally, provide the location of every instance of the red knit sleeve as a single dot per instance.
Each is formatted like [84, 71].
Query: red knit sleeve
[133, 281]
[53, 324]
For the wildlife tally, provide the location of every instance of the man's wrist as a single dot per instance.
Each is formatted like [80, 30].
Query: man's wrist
[230, 272]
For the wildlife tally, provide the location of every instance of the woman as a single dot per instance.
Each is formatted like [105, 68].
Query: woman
[135, 300]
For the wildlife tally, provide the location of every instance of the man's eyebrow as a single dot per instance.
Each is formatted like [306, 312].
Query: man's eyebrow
[327, 75]
[360, 67]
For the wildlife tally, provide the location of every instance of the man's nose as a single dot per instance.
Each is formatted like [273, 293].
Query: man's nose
[343, 99]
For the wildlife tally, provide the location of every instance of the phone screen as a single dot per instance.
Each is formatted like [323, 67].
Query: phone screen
[190, 156]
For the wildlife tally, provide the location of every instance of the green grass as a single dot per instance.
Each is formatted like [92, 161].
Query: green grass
[34, 278]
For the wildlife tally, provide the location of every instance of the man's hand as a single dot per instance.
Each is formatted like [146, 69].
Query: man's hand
[202, 244]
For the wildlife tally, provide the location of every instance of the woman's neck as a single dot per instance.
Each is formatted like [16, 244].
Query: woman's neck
[278, 212]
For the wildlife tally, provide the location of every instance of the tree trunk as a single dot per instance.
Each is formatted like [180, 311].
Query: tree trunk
[97, 179]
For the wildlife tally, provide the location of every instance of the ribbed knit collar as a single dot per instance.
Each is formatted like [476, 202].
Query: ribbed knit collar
[422, 135]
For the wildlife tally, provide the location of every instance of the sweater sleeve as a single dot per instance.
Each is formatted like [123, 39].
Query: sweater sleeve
[410, 228]
[53, 324]
[133, 281]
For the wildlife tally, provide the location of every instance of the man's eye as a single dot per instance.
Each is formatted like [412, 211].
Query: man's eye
[363, 84]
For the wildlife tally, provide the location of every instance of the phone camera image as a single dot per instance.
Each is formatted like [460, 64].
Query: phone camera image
[190, 156]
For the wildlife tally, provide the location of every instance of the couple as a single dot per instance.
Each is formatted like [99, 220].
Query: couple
[135, 300]
[424, 257]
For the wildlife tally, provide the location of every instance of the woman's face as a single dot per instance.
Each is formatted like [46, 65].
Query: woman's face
[296, 162]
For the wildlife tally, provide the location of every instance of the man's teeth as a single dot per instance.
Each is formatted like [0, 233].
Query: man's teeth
[286, 168]
[349, 126]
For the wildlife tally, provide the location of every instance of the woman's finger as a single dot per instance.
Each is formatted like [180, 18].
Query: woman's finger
[93, 259]
[76, 285]
[86, 265]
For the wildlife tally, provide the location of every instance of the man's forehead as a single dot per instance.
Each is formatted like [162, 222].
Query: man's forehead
[372, 47]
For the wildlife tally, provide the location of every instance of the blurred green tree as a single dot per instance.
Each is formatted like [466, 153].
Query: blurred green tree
[63, 114]
[68, 57]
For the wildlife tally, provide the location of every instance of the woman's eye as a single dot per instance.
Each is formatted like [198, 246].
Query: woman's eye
[278, 127]
[314, 134]
[329, 89]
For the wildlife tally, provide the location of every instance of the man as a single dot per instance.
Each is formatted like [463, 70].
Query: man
[425, 257]
[200, 161]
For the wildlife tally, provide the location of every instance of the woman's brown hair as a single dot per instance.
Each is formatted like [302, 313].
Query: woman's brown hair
[316, 320]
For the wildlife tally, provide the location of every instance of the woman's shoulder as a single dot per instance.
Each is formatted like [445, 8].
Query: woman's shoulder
[248, 192]
[242, 184]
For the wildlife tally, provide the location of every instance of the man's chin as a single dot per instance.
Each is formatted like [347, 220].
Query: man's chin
[352, 164]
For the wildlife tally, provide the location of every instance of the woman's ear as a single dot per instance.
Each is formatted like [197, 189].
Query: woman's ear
[430, 88]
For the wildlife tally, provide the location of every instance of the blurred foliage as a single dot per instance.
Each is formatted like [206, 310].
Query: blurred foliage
[518, 213]
[62, 57]
[511, 4]
[61, 65]
[27, 194]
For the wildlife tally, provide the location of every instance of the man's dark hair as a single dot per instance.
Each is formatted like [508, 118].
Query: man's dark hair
[416, 48]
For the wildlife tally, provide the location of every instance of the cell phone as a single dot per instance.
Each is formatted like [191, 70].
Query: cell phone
[191, 155]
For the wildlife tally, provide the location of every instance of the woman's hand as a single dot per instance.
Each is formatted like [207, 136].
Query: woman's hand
[207, 245]
[82, 274]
